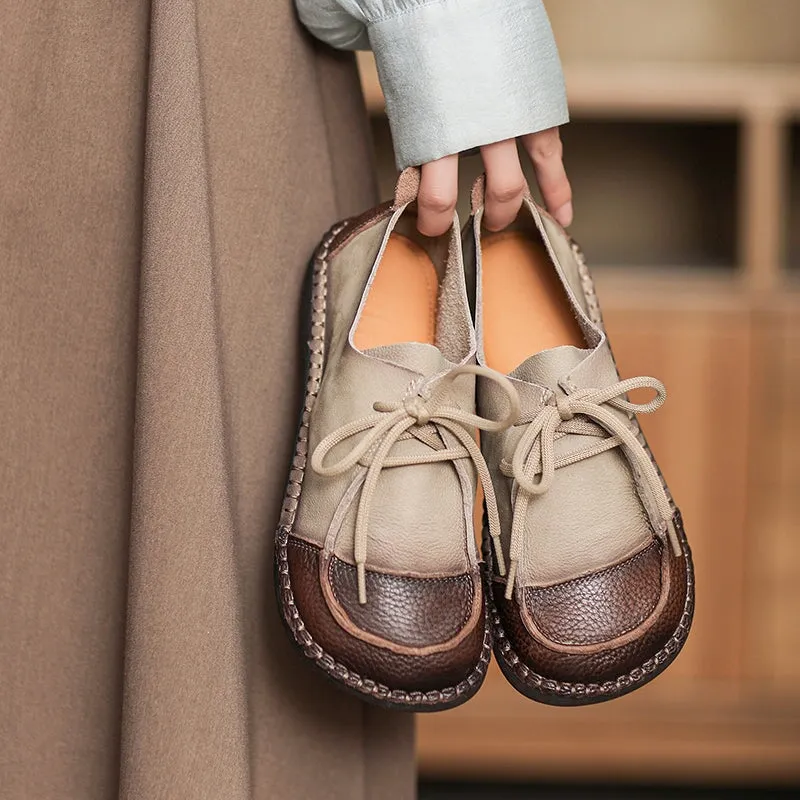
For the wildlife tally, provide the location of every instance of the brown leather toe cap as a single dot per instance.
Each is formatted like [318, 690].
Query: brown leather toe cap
[413, 612]
[602, 626]
[599, 607]
[403, 613]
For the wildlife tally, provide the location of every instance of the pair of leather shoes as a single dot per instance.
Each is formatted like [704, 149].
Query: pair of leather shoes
[414, 345]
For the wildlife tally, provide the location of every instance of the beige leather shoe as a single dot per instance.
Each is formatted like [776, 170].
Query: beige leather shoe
[593, 585]
[378, 576]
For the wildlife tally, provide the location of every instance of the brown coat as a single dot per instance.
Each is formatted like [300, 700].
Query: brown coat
[166, 168]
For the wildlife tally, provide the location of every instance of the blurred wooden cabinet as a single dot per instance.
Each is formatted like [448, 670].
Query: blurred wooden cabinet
[687, 187]
[751, 31]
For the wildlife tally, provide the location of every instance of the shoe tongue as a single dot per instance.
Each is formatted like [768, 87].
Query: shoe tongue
[549, 366]
[424, 359]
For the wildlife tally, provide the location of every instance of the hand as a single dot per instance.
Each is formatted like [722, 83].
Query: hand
[505, 184]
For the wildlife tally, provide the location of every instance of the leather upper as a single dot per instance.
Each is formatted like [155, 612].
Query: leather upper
[422, 515]
[421, 622]
[602, 593]
[596, 514]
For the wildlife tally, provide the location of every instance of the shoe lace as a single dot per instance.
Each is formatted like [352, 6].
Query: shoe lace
[419, 415]
[535, 452]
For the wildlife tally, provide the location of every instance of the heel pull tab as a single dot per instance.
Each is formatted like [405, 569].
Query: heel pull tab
[476, 197]
[407, 187]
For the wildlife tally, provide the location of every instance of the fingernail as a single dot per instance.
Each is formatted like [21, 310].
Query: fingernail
[564, 215]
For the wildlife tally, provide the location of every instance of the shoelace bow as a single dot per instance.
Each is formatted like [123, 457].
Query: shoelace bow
[535, 452]
[418, 416]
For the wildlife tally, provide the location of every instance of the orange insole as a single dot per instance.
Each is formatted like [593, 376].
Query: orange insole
[525, 309]
[402, 301]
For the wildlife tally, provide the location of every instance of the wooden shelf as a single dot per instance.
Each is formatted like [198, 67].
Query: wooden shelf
[680, 31]
[699, 91]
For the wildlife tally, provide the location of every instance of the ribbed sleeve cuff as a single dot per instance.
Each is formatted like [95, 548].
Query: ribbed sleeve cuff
[457, 74]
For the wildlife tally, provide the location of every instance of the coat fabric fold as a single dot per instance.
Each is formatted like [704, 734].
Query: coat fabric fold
[166, 170]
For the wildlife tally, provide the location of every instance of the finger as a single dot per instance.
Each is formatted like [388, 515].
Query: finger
[546, 152]
[505, 184]
[438, 194]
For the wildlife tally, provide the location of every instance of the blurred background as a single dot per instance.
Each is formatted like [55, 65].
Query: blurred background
[684, 155]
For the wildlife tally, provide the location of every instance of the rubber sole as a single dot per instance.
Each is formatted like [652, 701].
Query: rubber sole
[345, 678]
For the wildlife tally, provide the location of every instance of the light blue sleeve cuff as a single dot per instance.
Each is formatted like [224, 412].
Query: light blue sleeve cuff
[458, 74]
